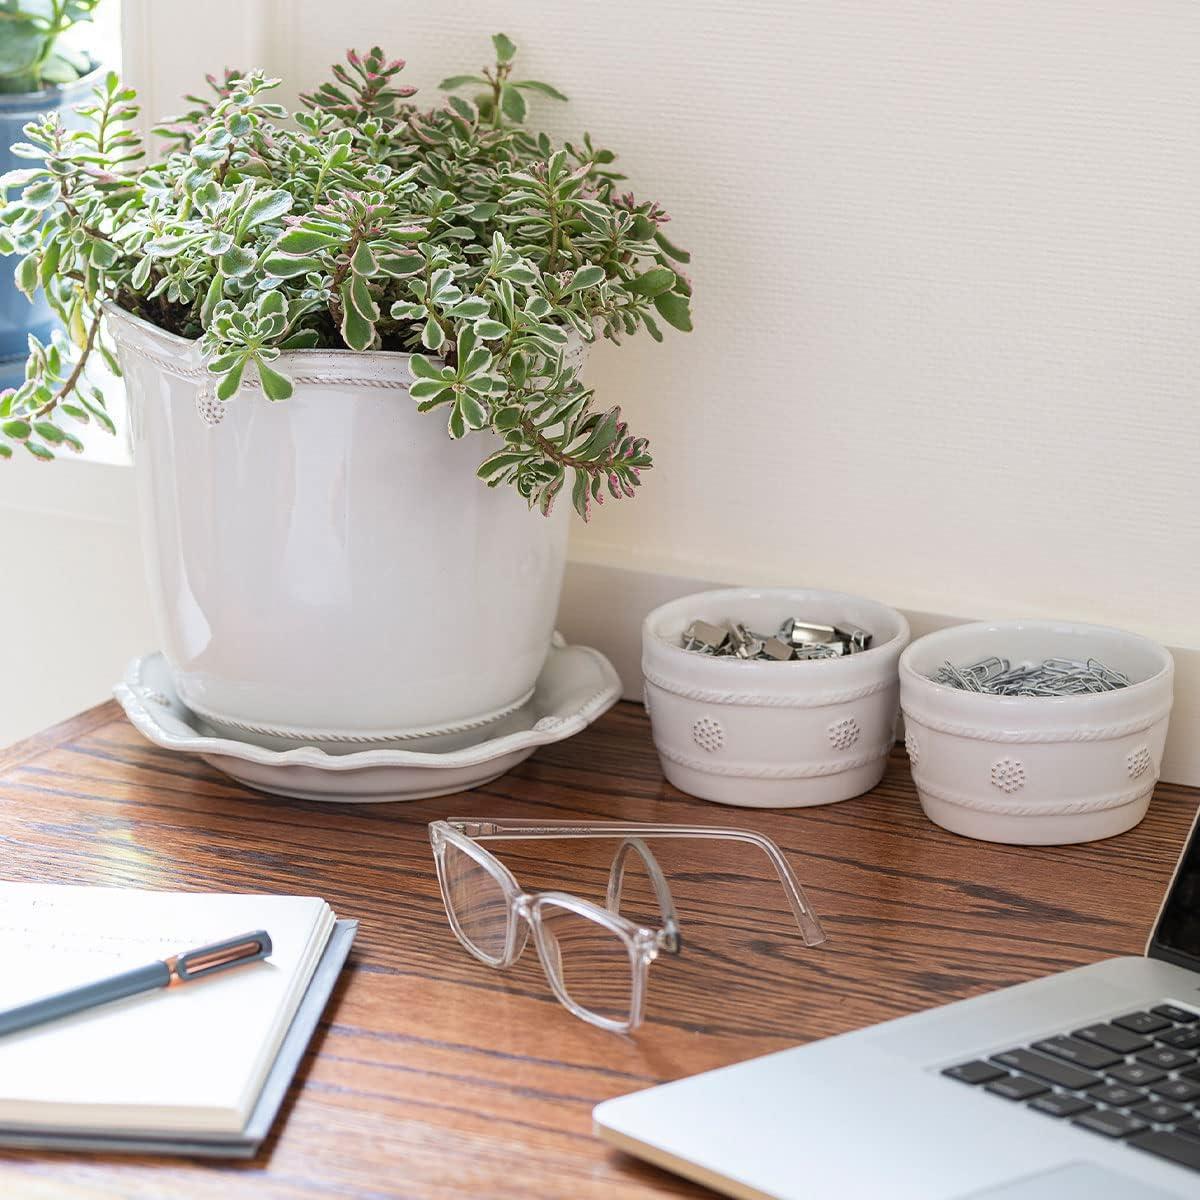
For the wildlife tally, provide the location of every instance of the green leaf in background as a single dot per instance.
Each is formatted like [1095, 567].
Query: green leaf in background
[432, 336]
[512, 103]
[285, 266]
[20, 44]
[304, 241]
[364, 302]
[48, 431]
[276, 386]
[505, 50]
[457, 81]
[654, 282]
[356, 329]
[674, 309]
[266, 206]
[587, 277]
[363, 262]
[535, 85]
[422, 368]
[231, 381]
[237, 261]
[26, 275]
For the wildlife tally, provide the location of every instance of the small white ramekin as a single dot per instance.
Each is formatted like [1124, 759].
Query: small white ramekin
[1036, 770]
[772, 734]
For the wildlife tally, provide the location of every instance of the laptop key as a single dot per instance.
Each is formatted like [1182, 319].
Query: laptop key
[1166, 1057]
[1015, 1087]
[1119, 1095]
[1181, 1016]
[1190, 1073]
[1171, 1146]
[1182, 1039]
[1138, 1074]
[1180, 1090]
[1056, 1105]
[1049, 1069]
[1160, 1112]
[1142, 1022]
[1189, 1128]
[1110, 1123]
[1082, 1054]
[1113, 1037]
[974, 1072]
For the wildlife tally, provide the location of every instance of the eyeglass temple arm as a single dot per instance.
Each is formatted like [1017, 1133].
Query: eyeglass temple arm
[668, 936]
[509, 830]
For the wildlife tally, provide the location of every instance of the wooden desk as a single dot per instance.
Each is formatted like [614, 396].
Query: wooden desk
[434, 1076]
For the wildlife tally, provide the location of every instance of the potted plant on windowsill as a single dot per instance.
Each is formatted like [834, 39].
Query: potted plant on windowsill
[40, 72]
[331, 569]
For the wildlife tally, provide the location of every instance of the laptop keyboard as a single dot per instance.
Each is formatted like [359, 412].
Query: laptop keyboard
[1134, 1079]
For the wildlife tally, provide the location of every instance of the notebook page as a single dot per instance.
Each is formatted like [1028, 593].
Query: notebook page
[190, 1057]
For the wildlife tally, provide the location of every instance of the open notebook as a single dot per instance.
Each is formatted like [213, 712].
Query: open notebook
[182, 1064]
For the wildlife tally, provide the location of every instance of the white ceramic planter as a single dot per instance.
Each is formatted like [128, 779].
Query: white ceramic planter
[1036, 770]
[768, 734]
[328, 570]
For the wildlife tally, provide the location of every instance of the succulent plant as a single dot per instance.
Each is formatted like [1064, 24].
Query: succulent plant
[31, 52]
[453, 234]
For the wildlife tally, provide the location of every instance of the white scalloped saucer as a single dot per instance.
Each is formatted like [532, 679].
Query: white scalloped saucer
[576, 686]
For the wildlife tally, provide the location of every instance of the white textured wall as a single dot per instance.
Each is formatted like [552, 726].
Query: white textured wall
[946, 267]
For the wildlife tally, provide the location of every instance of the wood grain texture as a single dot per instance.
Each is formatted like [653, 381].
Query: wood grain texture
[433, 1076]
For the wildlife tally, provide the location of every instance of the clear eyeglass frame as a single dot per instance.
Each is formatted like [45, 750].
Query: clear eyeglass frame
[528, 912]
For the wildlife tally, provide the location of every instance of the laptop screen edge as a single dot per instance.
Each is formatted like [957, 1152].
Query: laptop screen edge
[1175, 937]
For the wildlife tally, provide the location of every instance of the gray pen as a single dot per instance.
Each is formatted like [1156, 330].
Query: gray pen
[179, 968]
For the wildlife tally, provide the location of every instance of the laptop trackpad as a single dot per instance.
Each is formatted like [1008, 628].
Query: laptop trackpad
[1075, 1181]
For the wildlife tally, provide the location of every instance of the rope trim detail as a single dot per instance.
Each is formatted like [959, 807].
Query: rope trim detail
[760, 700]
[1085, 733]
[1092, 804]
[202, 374]
[380, 739]
[792, 771]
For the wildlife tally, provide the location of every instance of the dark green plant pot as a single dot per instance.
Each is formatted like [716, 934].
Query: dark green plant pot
[19, 318]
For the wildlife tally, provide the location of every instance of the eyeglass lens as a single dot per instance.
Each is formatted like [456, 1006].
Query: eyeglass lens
[590, 960]
[477, 901]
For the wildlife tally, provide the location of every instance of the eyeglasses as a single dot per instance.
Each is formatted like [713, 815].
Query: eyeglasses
[595, 959]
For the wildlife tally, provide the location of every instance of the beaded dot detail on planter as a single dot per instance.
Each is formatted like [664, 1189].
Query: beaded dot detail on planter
[1138, 761]
[211, 410]
[843, 734]
[914, 751]
[1008, 774]
[708, 734]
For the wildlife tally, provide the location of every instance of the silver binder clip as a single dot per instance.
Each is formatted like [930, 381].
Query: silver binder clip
[775, 649]
[745, 644]
[805, 633]
[705, 637]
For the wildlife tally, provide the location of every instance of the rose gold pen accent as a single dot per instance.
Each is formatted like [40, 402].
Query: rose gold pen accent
[198, 963]
[208, 960]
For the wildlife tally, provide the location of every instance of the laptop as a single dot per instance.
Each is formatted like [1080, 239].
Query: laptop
[1081, 1086]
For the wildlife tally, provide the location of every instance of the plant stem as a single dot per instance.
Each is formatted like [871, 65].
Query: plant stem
[69, 383]
[555, 455]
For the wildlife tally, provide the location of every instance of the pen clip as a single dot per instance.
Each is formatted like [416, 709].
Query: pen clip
[208, 960]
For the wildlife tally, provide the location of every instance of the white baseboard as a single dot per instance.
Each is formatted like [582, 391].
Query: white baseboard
[603, 606]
